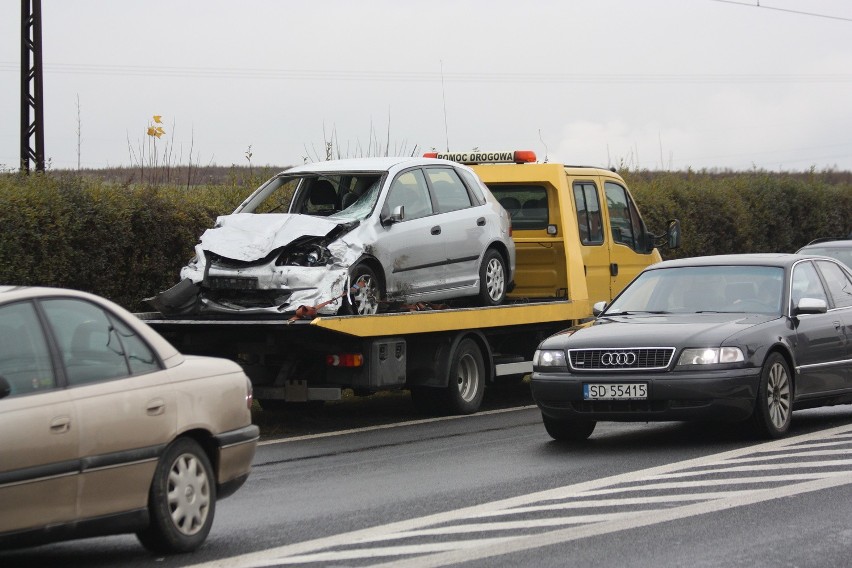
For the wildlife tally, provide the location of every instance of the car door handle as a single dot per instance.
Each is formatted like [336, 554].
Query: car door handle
[436, 230]
[60, 425]
[155, 407]
[480, 222]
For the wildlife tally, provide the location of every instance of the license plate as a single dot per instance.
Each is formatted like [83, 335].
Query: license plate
[615, 391]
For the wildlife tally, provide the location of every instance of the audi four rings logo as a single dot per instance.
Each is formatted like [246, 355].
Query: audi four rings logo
[622, 358]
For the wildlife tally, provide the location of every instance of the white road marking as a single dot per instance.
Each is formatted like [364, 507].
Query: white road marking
[539, 530]
[390, 426]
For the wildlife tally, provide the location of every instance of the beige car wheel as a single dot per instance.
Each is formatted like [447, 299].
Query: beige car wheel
[182, 499]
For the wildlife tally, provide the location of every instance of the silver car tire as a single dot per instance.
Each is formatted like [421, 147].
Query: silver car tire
[774, 407]
[366, 298]
[568, 430]
[492, 278]
[181, 500]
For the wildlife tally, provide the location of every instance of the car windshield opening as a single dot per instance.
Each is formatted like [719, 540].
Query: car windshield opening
[702, 289]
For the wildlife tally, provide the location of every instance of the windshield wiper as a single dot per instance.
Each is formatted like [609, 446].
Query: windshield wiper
[635, 312]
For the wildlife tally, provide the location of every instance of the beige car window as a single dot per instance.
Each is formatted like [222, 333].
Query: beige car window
[91, 348]
[24, 358]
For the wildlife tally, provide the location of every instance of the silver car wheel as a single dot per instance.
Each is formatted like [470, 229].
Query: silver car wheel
[778, 395]
[188, 494]
[365, 300]
[495, 279]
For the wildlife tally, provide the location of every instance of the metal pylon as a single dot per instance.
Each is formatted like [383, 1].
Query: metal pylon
[32, 90]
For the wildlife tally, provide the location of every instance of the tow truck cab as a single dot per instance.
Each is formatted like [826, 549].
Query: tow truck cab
[560, 213]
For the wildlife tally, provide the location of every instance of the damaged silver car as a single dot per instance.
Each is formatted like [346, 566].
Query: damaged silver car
[358, 236]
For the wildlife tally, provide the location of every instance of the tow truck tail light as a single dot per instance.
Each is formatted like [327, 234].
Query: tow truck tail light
[345, 360]
[477, 157]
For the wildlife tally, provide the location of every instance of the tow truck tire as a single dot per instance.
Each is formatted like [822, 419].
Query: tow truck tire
[366, 300]
[181, 501]
[466, 385]
[492, 279]
[568, 430]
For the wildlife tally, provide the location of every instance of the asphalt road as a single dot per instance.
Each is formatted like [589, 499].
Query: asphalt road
[462, 490]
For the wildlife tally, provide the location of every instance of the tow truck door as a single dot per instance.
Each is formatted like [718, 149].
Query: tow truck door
[630, 251]
[594, 243]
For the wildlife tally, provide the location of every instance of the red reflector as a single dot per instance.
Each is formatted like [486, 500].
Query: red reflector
[344, 360]
[430, 155]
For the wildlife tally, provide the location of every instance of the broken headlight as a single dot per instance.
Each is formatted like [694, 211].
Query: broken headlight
[305, 255]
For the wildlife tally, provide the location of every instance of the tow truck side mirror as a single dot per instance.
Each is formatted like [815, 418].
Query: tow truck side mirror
[673, 234]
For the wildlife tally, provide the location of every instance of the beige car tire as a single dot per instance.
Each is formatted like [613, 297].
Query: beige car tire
[181, 501]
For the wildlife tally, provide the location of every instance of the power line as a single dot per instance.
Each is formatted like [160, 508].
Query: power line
[427, 76]
[758, 5]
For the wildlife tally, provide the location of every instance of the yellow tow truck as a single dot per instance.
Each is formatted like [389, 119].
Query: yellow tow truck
[579, 239]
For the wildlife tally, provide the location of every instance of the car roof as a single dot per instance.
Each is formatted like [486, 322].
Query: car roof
[828, 243]
[367, 164]
[751, 259]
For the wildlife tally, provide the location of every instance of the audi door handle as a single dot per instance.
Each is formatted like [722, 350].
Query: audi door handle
[436, 230]
[480, 222]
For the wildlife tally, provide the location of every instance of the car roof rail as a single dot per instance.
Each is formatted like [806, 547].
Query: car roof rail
[827, 239]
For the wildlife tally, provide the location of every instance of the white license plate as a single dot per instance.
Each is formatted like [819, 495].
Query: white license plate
[615, 391]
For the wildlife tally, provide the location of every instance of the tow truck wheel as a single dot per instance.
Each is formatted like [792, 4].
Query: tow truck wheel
[466, 386]
[492, 279]
[365, 299]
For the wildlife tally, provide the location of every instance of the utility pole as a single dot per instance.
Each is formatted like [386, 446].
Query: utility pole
[32, 87]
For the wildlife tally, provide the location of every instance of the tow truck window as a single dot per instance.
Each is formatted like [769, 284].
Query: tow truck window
[588, 213]
[623, 217]
[526, 204]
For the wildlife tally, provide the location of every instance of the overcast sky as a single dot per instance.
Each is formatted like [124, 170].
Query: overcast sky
[646, 84]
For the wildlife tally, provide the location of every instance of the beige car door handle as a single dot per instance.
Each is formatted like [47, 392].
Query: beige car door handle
[155, 407]
[60, 425]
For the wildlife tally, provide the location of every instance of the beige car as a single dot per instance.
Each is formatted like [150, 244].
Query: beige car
[105, 428]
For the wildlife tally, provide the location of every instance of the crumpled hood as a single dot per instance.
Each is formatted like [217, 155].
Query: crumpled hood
[248, 236]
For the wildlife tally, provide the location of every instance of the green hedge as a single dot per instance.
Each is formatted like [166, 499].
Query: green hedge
[128, 243]
[124, 243]
[751, 212]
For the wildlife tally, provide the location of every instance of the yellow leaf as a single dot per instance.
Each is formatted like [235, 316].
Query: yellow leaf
[152, 131]
[157, 118]
[160, 131]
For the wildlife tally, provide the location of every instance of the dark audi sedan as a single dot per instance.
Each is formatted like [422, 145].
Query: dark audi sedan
[729, 338]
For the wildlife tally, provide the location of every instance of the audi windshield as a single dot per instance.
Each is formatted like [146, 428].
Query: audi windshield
[699, 289]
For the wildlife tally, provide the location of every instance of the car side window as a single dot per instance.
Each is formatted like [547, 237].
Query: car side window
[806, 284]
[474, 184]
[450, 193]
[24, 356]
[409, 189]
[90, 344]
[588, 213]
[839, 285]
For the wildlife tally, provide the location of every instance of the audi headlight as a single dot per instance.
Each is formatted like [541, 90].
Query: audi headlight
[711, 356]
[549, 358]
